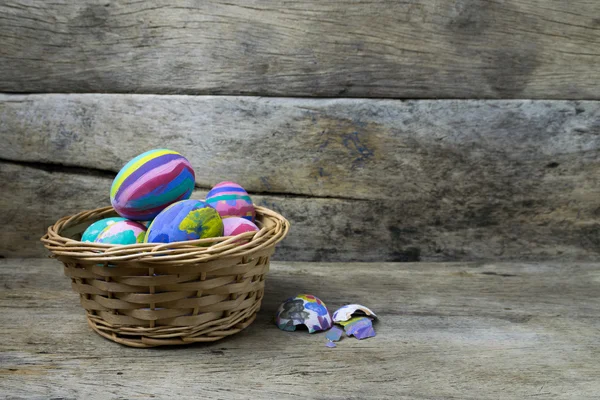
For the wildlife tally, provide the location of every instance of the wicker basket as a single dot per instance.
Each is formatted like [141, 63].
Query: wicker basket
[148, 295]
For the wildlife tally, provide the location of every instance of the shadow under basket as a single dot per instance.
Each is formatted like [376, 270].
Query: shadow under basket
[149, 294]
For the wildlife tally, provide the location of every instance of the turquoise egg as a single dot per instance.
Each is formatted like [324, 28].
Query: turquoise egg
[92, 231]
[122, 232]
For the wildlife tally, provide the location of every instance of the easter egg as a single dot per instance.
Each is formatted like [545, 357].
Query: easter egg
[304, 309]
[150, 182]
[92, 231]
[235, 225]
[122, 232]
[231, 200]
[185, 220]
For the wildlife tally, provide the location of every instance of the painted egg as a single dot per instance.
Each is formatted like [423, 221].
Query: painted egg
[185, 220]
[231, 200]
[122, 232]
[92, 231]
[304, 309]
[235, 225]
[150, 182]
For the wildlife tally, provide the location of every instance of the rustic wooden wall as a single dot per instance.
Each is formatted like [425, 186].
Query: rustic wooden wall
[360, 179]
[352, 48]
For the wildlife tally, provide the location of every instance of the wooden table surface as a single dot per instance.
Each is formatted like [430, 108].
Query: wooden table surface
[447, 331]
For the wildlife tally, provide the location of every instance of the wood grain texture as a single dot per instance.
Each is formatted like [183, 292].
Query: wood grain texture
[361, 180]
[324, 229]
[383, 48]
[447, 331]
[344, 148]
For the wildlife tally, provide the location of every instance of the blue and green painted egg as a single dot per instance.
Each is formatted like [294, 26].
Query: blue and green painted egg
[185, 220]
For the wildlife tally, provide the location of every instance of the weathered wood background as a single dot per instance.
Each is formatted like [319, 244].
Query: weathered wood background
[383, 48]
[360, 179]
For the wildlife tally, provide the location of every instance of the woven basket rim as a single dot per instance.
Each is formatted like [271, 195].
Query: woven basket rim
[273, 228]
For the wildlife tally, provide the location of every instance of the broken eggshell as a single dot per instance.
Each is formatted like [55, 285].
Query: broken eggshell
[334, 334]
[359, 327]
[304, 309]
[348, 311]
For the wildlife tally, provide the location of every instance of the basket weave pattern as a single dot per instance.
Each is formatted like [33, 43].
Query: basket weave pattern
[148, 294]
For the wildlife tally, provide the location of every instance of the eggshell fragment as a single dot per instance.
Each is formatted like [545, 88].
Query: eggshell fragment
[348, 311]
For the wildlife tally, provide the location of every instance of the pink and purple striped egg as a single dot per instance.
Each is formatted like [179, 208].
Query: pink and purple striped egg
[150, 182]
[122, 232]
[231, 200]
[234, 226]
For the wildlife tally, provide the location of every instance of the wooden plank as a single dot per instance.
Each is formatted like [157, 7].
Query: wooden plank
[383, 48]
[361, 180]
[347, 148]
[451, 331]
[325, 229]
